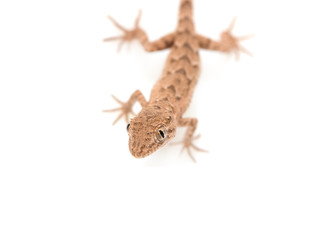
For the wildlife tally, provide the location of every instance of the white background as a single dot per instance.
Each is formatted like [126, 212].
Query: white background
[66, 172]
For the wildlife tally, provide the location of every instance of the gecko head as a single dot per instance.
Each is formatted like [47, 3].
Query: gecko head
[152, 128]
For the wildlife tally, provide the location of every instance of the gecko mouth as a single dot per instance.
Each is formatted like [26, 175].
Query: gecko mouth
[141, 151]
[138, 155]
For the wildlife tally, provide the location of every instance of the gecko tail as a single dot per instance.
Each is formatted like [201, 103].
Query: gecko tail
[186, 22]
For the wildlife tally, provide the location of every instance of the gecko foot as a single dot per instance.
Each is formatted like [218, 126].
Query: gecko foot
[188, 145]
[128, 35]
[231, 43]
[125, 109]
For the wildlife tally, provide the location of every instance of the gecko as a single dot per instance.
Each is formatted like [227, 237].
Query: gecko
[156, 124]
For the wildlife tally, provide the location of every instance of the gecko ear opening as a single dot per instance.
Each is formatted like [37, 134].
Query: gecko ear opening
[128, 127]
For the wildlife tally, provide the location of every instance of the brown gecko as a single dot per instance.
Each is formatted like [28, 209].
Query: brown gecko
[159, 118]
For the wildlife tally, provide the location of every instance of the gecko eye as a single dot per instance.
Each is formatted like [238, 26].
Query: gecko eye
[161, 134]
[128, 127]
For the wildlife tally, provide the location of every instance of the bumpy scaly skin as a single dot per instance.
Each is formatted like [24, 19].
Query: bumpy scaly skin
[156, 124]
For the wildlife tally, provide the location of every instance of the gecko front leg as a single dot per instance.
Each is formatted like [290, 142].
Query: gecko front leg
[191, 124]
[126, 107]
[139, 34]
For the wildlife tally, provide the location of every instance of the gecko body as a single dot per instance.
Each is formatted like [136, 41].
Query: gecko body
[156, 124]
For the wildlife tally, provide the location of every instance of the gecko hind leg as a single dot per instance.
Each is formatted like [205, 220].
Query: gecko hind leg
[139, 34]
[126, 107]
[227, 44]
[191, 123]
[232, 43]
[128, 35]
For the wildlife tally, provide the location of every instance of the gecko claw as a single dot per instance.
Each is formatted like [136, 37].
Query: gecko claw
[128, 35]
[188, 144]
[232, 25]
[232, 43]
[125, 109]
